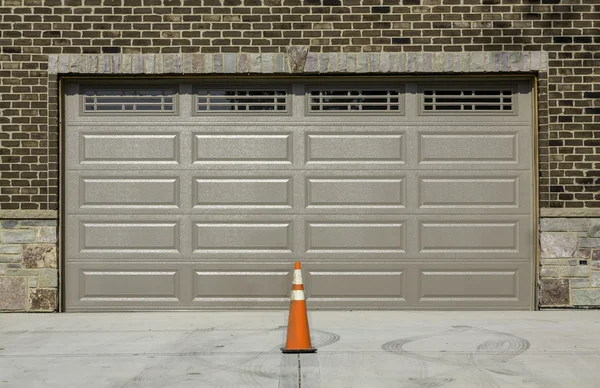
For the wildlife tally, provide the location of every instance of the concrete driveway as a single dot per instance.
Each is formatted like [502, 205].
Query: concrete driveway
[356, 349]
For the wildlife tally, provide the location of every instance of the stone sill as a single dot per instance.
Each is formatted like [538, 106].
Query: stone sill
[28, 214]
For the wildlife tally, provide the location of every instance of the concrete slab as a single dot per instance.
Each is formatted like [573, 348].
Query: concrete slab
[356, 349]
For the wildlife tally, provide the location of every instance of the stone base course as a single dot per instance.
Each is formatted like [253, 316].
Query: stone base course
[28, 265]
[570, 262]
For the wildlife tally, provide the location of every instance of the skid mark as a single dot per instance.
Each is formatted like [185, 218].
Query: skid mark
[322, 338]
[484, 365]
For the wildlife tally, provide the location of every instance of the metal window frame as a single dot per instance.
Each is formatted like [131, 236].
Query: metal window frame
[128, 86]
[422, 87]
[249, 86]
[334, 86]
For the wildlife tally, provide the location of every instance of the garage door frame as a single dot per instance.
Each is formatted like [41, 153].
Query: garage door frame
[198, 79]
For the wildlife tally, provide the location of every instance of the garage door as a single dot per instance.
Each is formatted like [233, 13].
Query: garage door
[394, 194]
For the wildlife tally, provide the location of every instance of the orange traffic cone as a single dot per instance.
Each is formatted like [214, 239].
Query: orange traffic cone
[298, 335]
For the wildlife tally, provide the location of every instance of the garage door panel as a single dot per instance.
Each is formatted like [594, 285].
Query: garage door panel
[241, 285]
[243, 192]
[468, 148]
[109, 148]
[115, 286]
[243, 236]
[137, 191]
[242, 148]
[493, 285]
[472, 192]
[482, 237]
[358, 192]
[355, 148]
[127, 237]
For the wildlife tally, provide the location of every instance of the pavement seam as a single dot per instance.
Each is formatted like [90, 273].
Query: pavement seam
[299, 372]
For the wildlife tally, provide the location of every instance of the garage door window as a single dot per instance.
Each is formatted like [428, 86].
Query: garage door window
[243, 101]
[129, 100]
[467, 100]
[336, 101]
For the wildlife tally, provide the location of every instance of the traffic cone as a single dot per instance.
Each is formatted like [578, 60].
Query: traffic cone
[298, 335]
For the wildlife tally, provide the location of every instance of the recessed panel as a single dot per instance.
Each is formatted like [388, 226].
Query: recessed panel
[243, 148]
[463, 236]
[129, 285]
[129, 148]
[449, 192]
[355, 236]
[243, 236]
[129, 236]
[453, 286]
[243, 192]
[241, 284]
[468, 148]
[355, 192]
[355, 284]
[355, 148]
[129, 192]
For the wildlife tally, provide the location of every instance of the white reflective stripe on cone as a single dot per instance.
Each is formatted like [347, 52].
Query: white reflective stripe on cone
[297, 276]
[297, 295]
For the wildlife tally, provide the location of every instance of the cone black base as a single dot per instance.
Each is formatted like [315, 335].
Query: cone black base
[311, 350]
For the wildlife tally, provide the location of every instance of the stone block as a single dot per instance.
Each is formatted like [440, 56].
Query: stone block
[362, 63]
[116, 64]
[32, 282]
[267, 63]
[48, 278]
[279, 60]
[14, 293]
[555, 244]
[554, 292]
[584, 253]
[553, 262]
[351, 62]
[187, 64]
[589, 242]
[575, 271]
[17, 236]
[311, 63]
[596, 258]
[594, 230]
[9, 224]
[549, 272]
[21, 272]
[38, 223]
[243, 63]
[2, 269]
[53, 64]
[149, 64]
[595, 279]
[297, 57]
[255, 63]
[586, 297]
[63, 64]
[39, 256]
[42, 299]
[323, 63]
[10, 258]
[10, 249]
[218, 63]
[580, 283]
[564, 224]
[197, 63]
[46, 235]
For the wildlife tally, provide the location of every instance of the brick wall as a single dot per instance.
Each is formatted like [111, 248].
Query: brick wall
[569, 92]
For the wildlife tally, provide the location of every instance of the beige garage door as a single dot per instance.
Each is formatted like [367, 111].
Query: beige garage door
[394, 194]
